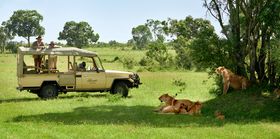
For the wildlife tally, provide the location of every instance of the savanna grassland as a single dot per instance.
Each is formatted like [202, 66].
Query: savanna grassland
[248, 114]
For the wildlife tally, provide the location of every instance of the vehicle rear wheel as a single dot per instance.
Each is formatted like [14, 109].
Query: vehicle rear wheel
[120, 88]
[48, 91]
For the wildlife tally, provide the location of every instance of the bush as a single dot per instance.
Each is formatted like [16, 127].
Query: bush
[183, 58]
[157, 57]
[158, 52]
[147, 64]
[128, 62]
[12, 47]
[217, 88]
[276, 59]
[145, 61]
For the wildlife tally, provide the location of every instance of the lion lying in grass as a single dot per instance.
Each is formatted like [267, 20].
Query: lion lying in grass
[219, 115]
[173, 109]
[180, 106]
[277, 93]
[230, 79]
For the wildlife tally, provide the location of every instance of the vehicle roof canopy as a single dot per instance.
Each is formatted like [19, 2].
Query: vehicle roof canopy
[66, 51]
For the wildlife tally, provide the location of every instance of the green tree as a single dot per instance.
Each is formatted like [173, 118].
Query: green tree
[78, 34]
[249, 29]
[12, 46]
[197, 44]
[156, 28]
[142, 36]
[4, 37]
[25, 23]
[158, 52]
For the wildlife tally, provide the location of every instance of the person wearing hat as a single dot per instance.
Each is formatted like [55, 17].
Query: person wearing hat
[53, 58]
[38, 45]
[51, 45]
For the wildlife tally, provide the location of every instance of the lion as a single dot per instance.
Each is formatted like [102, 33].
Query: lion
[176, 110]
[277, 93]
[232, 80]
[195, 108]
[176, 103]
[219, 115]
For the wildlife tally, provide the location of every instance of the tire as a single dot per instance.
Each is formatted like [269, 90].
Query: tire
[120, 88]
[48, 91]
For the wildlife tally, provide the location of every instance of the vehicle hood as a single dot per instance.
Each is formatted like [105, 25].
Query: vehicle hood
[116, 73]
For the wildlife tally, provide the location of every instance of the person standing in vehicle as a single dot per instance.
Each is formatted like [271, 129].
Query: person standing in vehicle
[38, 45]
[53, 58]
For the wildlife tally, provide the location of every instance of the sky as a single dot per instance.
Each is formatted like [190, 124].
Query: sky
[111, 19]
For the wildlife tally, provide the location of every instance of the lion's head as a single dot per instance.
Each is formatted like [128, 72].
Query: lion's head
[165, 98]
[219, 70]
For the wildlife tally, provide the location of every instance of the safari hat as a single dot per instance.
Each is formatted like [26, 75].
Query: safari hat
[52, 43]
[39, 37]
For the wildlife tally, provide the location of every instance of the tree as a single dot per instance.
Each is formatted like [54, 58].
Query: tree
[249, 28]
[141, 35]
[158, 51]
[78, 34]
[25, 23]
[12, 46]
[156, 27]
[3, 39]
[196, 43]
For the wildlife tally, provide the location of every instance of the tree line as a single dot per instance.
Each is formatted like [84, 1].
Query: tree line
[249, 44]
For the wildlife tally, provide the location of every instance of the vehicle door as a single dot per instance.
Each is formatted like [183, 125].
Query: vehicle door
[90, 77]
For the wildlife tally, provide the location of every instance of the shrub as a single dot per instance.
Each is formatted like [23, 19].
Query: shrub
[217, 87]
[128, 62]
[12, 47]
[158, 52]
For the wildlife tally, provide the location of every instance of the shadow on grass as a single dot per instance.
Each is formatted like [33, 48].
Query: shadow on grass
[245, 106]
[238, 107]
[79, 95]
[118, 114]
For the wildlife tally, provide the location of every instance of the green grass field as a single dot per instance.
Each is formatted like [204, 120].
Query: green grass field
[248, 114]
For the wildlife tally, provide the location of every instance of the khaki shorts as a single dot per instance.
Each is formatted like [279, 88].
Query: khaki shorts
[37, 56]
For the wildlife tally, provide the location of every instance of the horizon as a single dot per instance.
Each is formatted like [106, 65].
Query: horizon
[112, 20]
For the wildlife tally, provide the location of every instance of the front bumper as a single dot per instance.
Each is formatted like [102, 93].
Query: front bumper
[136, 80]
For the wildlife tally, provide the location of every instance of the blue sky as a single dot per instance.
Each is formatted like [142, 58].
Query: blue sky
[112, 19]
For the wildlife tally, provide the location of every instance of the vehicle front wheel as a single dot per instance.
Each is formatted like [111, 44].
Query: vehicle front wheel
[48, 91]
[120, 88]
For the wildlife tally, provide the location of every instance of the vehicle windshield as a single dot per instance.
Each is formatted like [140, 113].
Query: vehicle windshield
[98, 63]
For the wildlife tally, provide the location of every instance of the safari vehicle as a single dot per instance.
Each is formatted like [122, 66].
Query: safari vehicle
[68, 76]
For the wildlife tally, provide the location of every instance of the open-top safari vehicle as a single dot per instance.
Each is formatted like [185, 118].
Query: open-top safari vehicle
[67, 75]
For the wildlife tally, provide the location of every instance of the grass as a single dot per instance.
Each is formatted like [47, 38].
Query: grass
[248, 114]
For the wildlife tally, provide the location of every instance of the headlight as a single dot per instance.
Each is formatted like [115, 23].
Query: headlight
[132, 76]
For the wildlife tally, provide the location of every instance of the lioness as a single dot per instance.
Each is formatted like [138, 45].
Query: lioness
[177, 110]
[232, 80]
[277, 93]
[219, 115]
[195, 108]
[171, 101]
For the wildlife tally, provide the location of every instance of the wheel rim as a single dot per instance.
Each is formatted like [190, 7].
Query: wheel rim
[49, 92]
[119, 90]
